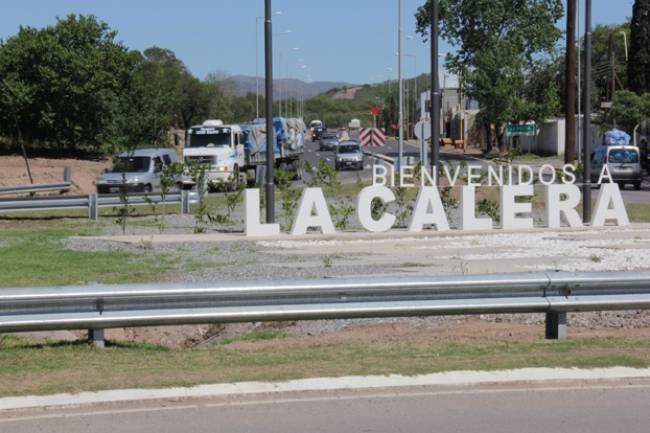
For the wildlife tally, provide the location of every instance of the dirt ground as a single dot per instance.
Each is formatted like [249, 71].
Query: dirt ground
[456, 329]
[13, 172]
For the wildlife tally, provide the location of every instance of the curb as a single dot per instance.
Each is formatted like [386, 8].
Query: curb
[456, 378]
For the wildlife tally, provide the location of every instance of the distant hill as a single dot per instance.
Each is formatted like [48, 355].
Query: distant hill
[240, 85]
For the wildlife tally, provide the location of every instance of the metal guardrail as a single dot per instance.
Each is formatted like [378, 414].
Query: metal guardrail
[93, 202]
[29, 189]
[99, 307]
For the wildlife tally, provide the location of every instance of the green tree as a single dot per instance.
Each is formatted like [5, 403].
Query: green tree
[63, 86]
[498, 42]
[639, 62]
[628, 110]
[604, 36]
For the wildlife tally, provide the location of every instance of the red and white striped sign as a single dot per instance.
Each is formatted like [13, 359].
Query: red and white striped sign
[375, 137]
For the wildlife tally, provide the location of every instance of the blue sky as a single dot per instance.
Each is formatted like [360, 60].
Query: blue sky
[341, 40]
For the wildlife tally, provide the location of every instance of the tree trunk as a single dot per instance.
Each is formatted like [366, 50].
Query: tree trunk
[570, 82]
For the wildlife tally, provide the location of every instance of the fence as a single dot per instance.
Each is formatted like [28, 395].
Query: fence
[98, 307]
[94, 202]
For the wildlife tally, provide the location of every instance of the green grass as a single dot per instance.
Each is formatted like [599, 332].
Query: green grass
[638, 212]
[33, 256]
[43, 368]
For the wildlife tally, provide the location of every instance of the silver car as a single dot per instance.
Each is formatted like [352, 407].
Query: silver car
[623, 163]
[138, 171]
[349, 155]
[328, 141]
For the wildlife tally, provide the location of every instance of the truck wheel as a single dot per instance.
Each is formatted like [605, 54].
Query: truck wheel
[236, 179]
[296, 167]
[251, 180]
[637, 186]
[147, 189]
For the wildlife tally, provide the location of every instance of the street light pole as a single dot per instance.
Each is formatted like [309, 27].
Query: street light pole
[586, 147]
[257, 64]
[270, 133]
[257, 67]
[435, 92]
[401, 87]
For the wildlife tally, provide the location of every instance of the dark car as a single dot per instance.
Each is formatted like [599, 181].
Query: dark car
[317, 133]
[328, 141]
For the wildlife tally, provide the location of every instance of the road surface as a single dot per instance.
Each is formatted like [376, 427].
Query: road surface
[605, 408]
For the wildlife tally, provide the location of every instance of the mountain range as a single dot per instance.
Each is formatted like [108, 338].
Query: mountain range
[240, 85]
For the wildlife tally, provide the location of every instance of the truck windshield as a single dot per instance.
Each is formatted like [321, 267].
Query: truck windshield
[209, 137]
[135, 164]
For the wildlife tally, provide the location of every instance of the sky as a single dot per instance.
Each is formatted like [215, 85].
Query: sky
[322, 40]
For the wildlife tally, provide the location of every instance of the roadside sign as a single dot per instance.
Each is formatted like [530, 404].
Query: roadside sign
[375, 137]
[375, 111]
[423, 130]
[517, 129]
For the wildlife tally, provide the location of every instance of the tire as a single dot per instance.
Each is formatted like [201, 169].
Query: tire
[236, 179]
[637, 186]
[147, 189]
[296, 167]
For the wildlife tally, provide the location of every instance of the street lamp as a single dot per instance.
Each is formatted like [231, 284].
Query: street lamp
[284, 33]
[625, 42]
[401, 86]
[257, 63]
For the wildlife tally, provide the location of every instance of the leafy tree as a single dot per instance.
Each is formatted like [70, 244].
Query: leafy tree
[64, 85]
[628, 110]
[602, 37]
[498, 42]
[639, 63]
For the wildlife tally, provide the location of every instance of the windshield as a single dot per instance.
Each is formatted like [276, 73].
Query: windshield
[135, 164]
[349, 148]
[329, 136]
[209, 137]
[623, 156]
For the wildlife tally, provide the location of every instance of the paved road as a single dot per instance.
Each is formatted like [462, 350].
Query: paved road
[596, 409]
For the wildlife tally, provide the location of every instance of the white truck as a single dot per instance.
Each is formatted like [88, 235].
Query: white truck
[237, 153]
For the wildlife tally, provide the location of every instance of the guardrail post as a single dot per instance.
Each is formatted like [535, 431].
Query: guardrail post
[96, 336]
[555, 325]
[93, 209]
[185, 202]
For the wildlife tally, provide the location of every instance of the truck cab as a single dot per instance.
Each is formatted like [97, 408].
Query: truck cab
[220, 148]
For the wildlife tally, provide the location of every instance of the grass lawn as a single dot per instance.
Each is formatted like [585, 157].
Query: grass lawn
[35, 256]
[51, 367]
[638, 212]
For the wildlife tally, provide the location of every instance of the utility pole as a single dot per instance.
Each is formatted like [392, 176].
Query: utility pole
[435, 92]
[270, 133]
[586, 147]
[570, 83]
[401, 87]
[612, 67]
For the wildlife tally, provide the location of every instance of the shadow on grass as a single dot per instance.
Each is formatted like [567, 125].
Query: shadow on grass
[13, 342]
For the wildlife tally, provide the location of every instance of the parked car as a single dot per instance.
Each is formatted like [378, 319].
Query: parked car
[623, 163]
[139, 171]
[349, 155]
[328, 141]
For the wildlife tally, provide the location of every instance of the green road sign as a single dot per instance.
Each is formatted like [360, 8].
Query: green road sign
[527, 129]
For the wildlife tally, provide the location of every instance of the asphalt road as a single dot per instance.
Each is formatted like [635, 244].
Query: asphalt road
[596, 409]
[411, 149]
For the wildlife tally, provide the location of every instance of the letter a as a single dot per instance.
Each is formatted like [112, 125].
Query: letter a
[429, 210]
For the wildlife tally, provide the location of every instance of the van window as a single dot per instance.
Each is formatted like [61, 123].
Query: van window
[167, 159]
[158, 165]
[623, 156]
[597, 157]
